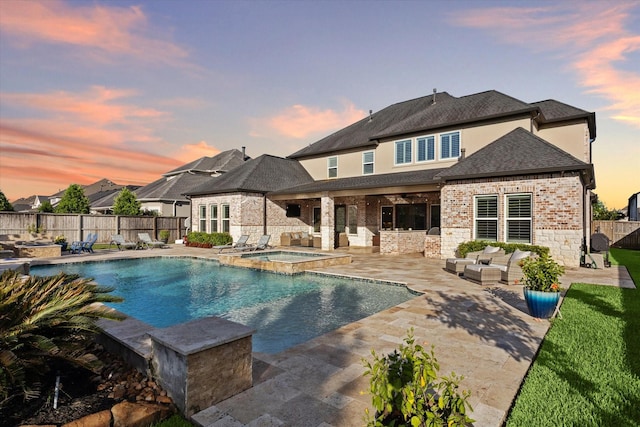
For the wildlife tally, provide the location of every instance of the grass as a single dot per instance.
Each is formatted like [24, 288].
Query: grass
[587, 372]
[174, 421]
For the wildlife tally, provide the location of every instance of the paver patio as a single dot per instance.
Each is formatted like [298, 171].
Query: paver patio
[481, 332]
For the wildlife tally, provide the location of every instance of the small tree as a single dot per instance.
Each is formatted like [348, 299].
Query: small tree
[126, 203]
[73, 201]
[45, 206]
[600, 212]
[4, 203]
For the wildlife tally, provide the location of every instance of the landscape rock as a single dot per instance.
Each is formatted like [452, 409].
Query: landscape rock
[99, 419]
[127, 414]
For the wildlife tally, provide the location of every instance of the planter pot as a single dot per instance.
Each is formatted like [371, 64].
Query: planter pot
[63, 246]
[541, 304]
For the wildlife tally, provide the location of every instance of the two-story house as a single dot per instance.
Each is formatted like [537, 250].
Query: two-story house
[423, 176]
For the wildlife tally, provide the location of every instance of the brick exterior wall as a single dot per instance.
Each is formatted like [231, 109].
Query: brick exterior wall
[557, 212]
[432, 246]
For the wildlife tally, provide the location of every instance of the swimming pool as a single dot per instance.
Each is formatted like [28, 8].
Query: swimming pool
[285, 310]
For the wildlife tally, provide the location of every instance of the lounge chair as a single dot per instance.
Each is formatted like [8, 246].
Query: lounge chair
[121, 243]
[77, 246]
[241, 243]
[263, 243]
[457, 265]
[504, 268]
[147, 242]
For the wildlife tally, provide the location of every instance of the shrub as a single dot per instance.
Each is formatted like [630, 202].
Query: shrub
[406, 390]
[478, 245]
[164, 235]
[542, 274]
[213, 239]
[43, 319]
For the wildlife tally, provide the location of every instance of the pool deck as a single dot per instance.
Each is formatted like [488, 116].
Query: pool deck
[480, 332]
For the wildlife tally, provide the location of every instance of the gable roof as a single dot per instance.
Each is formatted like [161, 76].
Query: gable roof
[174, 184]
[517, 153]
[264, 174]
[423, 114]
[221, 162]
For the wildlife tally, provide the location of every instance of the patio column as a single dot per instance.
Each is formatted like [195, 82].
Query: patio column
[327, 222]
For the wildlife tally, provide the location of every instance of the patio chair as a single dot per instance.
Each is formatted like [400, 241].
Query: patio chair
[457, 265]
[121, 243]
[87, 245]
[263, 243]
[241, 243]
[147, 242]
[78, 246]
[505, 268]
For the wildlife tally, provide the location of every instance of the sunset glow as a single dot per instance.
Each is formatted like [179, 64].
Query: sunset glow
[128, 91]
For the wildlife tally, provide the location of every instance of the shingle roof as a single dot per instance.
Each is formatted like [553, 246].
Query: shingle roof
[516, 153]
[224, 161]
[104, 199]
[422, 114]
[419, 177]
[177, 182]
[261, 175]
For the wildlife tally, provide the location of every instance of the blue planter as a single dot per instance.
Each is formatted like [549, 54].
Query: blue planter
[541, 304]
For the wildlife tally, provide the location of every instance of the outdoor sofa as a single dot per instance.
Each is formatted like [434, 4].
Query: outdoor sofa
[457, 265]
[504, 269]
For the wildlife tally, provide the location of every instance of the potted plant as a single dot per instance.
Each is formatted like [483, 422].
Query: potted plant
[406, 390]
[164, 236]
[62, 241]
[541, 285]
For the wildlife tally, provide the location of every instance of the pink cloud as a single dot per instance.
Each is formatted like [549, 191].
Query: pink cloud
[190, 152]
[592, 35]
[87, 136]
[300, 121]
[107, 29]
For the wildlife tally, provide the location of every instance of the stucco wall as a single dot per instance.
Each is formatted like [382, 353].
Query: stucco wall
[557, 212]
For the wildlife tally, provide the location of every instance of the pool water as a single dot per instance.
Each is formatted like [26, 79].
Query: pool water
[286, 256]
[285, 310]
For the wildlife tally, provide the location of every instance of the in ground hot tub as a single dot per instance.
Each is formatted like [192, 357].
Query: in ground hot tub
[286, 262]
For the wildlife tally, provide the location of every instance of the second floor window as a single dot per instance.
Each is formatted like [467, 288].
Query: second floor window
[450, 145]
[367, 163]
[403, 152]
[332, 167]
[426, 149]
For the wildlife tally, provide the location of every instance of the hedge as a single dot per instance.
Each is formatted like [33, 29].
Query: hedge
[478, 245]
[200, 238]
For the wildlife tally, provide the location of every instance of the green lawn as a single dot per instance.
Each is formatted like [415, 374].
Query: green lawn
[587, 372]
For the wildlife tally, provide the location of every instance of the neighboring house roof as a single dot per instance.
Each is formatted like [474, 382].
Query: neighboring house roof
[103, 185]
[419, 177]
[179, 181]
[260, 175]
[423, 114]
[517, 153]
[104, 199]
[221, 162]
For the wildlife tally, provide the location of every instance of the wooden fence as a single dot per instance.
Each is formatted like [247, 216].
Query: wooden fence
[621, 234]
[77, 227]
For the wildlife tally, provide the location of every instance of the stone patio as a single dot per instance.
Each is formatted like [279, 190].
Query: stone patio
[481, 332]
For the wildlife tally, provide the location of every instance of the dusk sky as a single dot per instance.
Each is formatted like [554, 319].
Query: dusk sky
[128, 90]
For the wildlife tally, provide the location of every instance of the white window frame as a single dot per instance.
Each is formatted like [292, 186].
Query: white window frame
[508, 218]
[213, 219]
[332, 169]
[449, 154]
[405, 143]
[202, 217]
[427, 140]
[370, 163]
[226, 217]
[476, 218]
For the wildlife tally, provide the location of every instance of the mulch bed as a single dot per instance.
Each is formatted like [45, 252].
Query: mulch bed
[81, 393]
